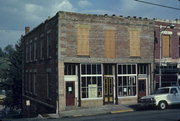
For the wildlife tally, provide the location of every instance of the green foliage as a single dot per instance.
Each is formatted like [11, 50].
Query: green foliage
[1, 52]
[9, 50]
[11, 72]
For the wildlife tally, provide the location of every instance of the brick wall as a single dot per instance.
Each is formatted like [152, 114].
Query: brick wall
[41, 66]
[68, 37]
[174, 38]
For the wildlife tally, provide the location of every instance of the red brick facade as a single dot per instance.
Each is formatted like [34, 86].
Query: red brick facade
[170, 69]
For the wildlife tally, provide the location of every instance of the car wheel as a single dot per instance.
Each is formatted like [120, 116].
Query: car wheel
[162, 105]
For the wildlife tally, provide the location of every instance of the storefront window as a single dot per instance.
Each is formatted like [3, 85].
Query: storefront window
[91, 81]
[126, 86]
[126, 80]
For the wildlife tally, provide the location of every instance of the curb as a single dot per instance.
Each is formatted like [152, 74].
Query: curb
[111, 112]
[122, 111]
[85, 115]
[92, 114]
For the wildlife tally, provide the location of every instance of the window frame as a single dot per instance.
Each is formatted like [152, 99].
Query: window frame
[91, 76]
[129, 77]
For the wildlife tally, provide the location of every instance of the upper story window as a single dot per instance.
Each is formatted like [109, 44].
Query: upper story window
[41, 46]
[83, 40]
[166, 45]
[48, 45]
[35, 49]
[134, 42]
[109, 43]
[27, 52]
[31, 51]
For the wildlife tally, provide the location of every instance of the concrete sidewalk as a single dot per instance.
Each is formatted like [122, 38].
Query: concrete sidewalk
[106, 109]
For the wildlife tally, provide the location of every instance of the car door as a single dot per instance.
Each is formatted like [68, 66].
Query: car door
[174, 95]
[178, 96]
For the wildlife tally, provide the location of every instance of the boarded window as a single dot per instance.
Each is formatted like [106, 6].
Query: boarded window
[83, 40]
[134, 40]
[109, 43]
[166, 45]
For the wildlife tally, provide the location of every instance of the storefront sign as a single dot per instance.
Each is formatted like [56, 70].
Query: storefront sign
[69, 89]
[92, 90]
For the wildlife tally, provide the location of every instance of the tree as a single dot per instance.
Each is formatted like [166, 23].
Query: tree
[1, 52]
[9, 50]
[14, 74]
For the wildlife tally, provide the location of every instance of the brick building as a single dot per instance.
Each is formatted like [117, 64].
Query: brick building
[170, 52]
[87, 60]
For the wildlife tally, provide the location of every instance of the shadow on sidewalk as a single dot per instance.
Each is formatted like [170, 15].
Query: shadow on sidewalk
[137, 107]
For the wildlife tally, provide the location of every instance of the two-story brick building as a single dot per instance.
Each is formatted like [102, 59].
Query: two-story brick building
[87, 60]
[170, 52]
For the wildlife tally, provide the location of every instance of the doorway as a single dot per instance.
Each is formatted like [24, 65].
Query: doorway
[108, 90]
[141, 88]
[70, 94]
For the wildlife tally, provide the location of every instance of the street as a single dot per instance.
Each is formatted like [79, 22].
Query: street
[146, 115]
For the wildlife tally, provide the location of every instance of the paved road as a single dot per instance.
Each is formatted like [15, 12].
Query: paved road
[150, 115]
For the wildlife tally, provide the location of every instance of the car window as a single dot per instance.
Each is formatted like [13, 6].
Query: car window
[173, 90]
[162, 91]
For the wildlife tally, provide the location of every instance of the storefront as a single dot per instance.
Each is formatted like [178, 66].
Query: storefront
[169, 76]
[98, 84]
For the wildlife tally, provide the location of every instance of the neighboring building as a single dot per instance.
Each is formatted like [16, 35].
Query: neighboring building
[170, 39]
[87, 60]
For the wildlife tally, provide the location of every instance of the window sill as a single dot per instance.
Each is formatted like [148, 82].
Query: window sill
[92, 98]
[127, 97]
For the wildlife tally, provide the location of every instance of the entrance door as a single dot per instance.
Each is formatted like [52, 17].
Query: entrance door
[108, 90]
[70, 94]
[141, 88]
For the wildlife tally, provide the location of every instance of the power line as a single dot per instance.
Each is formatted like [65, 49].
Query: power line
[157, 4]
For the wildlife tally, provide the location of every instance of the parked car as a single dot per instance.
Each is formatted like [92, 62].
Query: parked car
[163, 97]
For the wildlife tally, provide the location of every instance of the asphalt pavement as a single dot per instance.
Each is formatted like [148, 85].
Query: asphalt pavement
[144, 115]
[112, 113]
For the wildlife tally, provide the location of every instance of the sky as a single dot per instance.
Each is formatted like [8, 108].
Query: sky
[16, 14]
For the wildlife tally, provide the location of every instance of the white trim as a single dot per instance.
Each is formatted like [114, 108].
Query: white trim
[92, 98]
[147, 85]
[127, 97]
[93, 75]
[70, 78]
[127, 75]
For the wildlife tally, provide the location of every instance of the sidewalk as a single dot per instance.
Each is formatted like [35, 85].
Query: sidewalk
[106, 109]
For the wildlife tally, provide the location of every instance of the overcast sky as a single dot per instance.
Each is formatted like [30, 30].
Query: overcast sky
[16, 14]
